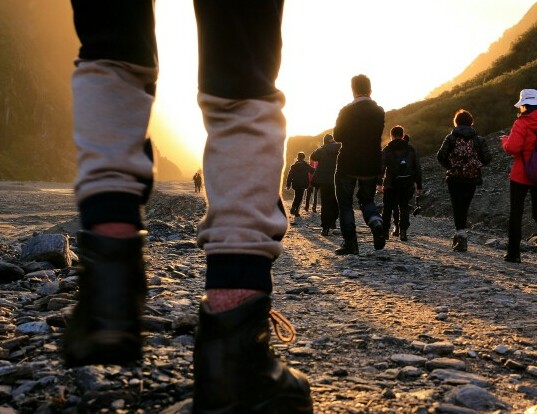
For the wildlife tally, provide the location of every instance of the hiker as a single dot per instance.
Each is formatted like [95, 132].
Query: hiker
[312, 190]
[359, 128]
[520, 143]
[114, 84]
[197, 182]
[326, 157]
[463, 153]
[402, 176]
[395, 231]
[298, 179]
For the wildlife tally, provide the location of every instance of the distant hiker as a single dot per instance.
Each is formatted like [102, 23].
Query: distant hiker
[462, 154]
[359, 128]
[395, 232]
[297, 178]
[402, 176]
[312, 190]
[520, 143]
[326, 156]
[234, 368]
[197, 182]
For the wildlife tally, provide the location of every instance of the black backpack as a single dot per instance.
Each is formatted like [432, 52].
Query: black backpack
[403, 171]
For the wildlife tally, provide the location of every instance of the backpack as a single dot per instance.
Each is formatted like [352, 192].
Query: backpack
[530, 166]
[402, 169]
[464, 160]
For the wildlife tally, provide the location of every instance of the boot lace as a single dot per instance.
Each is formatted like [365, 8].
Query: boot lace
[282, 327]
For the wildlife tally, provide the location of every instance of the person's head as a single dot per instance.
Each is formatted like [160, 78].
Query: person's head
[397, 132]
[328, 139]
[406, 137]
[361, 85]
[528, 99]
[300, 156]
[463, 117]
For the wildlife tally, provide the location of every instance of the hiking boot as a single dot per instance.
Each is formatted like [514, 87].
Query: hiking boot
[348, 248]
[460, 243]
[325, 231]
[512, 258]
[105, 325]
[402, 235]
[377, 228]
[235, 370]
[395, 231]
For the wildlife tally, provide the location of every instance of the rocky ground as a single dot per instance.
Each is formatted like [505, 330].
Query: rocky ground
[413, 328]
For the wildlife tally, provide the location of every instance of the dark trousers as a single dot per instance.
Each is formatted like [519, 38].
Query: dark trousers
[396, 200]
[297, 200]
[461, 195]
[329, 206]
[239, 46]
[345, 186]
[311, 191]
[517, 193]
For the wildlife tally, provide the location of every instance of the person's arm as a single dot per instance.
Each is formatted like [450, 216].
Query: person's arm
[418, 177]
[442, 155]
[484, 153]
[289, 178]
[513, 144]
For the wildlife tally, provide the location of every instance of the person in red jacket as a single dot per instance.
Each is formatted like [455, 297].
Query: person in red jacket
[520, 143]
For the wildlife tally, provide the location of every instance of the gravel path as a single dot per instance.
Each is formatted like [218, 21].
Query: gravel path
[413, 328]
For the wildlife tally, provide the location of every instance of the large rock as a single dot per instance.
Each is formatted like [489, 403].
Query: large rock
[9, 272]
[53, 248]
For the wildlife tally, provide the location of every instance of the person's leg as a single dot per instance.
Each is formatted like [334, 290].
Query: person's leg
[113, 91]
[329, 208]
[517, 195]
[309, 193]
[315, 198]
[366, 200]
[388, 203]
[234, 369]
[297, 201]
[403, 198]
[345, 186]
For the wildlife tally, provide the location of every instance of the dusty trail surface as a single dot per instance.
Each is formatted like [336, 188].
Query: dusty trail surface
[413, 328]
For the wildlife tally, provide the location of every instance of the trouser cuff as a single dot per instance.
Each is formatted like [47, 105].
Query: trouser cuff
[239, 271]
[110, 207]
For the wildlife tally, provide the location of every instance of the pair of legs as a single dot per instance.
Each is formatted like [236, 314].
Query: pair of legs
[461, 195]
[113, 90]
[345, 187]
[395, 202]
[517, 194]
[311, 191]
[297, 200]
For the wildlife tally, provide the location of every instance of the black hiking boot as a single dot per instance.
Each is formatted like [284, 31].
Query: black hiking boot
[377, 228]
[105, 325]
[402, 235]
[460, 243]
[512, 257]
[348, 247]
[235, 372]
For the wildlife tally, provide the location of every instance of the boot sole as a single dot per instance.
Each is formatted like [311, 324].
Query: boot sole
[103, 347]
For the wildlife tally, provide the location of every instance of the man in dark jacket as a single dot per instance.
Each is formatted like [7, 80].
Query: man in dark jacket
[326, 156]
[402, 175]
[359, 129]
[298, 179]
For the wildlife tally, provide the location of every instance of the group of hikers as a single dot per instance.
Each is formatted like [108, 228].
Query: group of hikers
[344, 159]
[239, 42]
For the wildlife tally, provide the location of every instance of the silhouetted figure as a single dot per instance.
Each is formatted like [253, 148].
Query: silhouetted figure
[198, 182]
[520, 144]
[402, 176]
[326, 157]
[298, 179]
[462, 154]
[113, 92]
[312, 190]
[359, 130]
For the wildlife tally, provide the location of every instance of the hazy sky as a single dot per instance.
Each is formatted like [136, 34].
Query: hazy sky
[407, 48]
